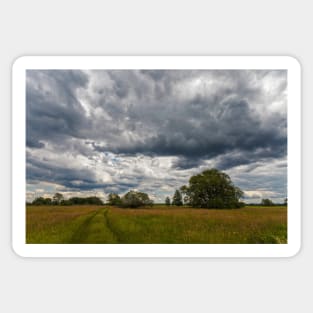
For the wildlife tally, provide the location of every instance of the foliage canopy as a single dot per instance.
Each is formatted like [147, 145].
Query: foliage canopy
[135, 199]
[177, 198]
[212, 189]
[267, 202]
[114, 199]
[58, 199]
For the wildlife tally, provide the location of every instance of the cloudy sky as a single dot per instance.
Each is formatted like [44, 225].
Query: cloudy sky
[99, 131]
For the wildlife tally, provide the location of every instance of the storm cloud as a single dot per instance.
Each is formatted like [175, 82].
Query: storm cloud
[151, 129]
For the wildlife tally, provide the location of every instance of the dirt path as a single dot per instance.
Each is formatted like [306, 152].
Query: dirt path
[95, 229]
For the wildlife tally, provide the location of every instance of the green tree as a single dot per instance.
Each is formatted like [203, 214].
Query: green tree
[57, 198]
[114, 199]
[212, 189]
[39, 201]
[135, 199]
[42, 201]
[267, 202]
[94, 200]
[177, 198]
[167, 201]
[48, 201]
[66, 202]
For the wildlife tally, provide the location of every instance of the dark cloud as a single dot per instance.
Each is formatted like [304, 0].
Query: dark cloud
[183, 163]
[154, 74]
[33, 143]
[53, 111]
[221, 129]
[46, 170]
[197, 117]
[268, 152]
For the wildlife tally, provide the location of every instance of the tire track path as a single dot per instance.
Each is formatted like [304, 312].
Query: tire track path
[95, 230]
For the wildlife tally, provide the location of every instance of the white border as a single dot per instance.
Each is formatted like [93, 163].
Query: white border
[156, 62]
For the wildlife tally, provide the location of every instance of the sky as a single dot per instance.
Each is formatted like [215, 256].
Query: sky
[94, 132]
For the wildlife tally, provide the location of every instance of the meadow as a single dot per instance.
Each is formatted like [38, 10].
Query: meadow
[87, 224]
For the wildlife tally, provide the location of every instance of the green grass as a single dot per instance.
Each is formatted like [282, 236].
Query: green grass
[55, 224]
[159, 224]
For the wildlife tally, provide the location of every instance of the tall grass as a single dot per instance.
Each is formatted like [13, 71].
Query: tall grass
[160, 224]
[55, 224]
[183, 225]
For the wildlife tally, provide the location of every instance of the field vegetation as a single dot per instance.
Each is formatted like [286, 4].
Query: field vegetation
[208, 210]
[92, 224]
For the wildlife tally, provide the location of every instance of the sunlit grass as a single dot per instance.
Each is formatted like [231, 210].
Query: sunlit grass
[159, 224]
[185, 225]
[55, 224]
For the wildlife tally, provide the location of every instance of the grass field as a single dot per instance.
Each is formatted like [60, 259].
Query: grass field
[159, 224]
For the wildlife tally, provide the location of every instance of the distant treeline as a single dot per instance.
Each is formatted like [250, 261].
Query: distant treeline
[262, 204]
[71, 201]
[131, 202]
[210, 189]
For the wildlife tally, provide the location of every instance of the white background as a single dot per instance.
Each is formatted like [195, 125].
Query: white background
[169, 28]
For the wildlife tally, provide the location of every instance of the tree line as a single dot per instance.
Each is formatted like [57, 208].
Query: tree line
[58, 199]
[209, 189]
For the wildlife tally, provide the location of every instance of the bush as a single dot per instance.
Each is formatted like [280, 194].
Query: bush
[267, 202]
[135, 199]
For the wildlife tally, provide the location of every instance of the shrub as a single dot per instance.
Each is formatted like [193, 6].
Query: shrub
[267, 202]
[135, 199]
